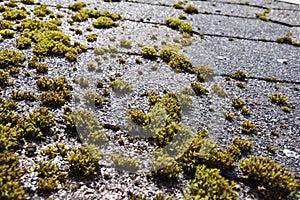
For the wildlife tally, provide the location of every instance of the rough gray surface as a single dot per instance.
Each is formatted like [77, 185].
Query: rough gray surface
[143, 24]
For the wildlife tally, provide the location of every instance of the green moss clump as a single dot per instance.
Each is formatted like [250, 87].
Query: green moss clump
[7, 33]
[23, 42]
[198, 88]
[41, 10]
[278, 98]
[286, 109]
[42, 118]
[10, 58]
[83, 162]
[178, 5]
[80, 17]
[125, 43]
[104, 22]
[12, 14]
[237, 103]
[209, 184]
[125, 163]
[4, 77]
[77, 6]
[238, 75]
[91, 37]
[22, 95]
[57, 91]
[245, 111]
[242, 144]
[229, 115]
[5, 24]
[220, 158]
[248, 127]
[119, 85]
[287, 39]
[180, 62]
[177, 24]
[273, 181]
[47, 175]
[27, 1]
[139, 117]
[10, 174]
[263, 16]
[190, 9]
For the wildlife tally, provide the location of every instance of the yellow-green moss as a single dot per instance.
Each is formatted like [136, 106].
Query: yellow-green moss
[237, 103]
[5, 24]
[119, 85]
[124, 163]
[10, 58]
[27, 1]
[272, 180]
[4, 77]
[91, 37]
[178, 5]
[210, 184]
[7, 33]
[77, 6]
[242, 144]
[23, 95]
[278, 98]
[104, 22]
[198, 88]
[41, 10]
[238, 75]
[190, 9]
[23, 42]
[247, 127]
[177, 24]
[11, 14]
[245, 111]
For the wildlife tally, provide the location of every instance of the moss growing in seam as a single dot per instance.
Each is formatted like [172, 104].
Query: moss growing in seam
[10, 174]
[190, 9]
[210, 184]
[179, 25]
[273, 181]
[278, 98]
[198, 88]
[77, 6]
[238, 75]
[104, 22]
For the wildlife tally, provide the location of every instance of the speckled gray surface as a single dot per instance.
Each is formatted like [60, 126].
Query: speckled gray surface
[144, 25]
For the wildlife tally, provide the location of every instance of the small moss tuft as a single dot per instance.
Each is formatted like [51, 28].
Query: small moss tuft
[190, 9]
[248, 127]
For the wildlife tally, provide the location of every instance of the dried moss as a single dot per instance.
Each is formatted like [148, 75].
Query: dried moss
[125, 43]
[27, 1]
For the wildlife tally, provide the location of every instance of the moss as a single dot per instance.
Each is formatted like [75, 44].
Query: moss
[91, 37]
[283, 125]
[242, 144]
[27, 1]
[178, 5]
[286, 109]
[41, 10]
[198, 88]
[287, 39]
[273, 181]
[203, 72]
[23, 95]
[270, 79]
[210, 184]
[180, 62]
[245, 111]
[5, 24]
[83, 162]
[229, 115]
[125, 43]
[23, 42]
[238, 75]
[240, 84]
[138, 116]
[92, 98]
[274, 133]
[219, 90]
[125, 163]
[7, 33]
[278, 98]
[271, 149]
[263, 16]
[177, 24]
[220, 158]
[119, 85]
[247, 127]
[77, 6]
[9, 58]
[10, 174]
[237, 103]
[104, 22]
[138, 60]
[4, 77]
[12, 14]
[190, 9]
[148, 52]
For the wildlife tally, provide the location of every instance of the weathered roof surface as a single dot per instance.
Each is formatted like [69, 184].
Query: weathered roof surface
[227, 36]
